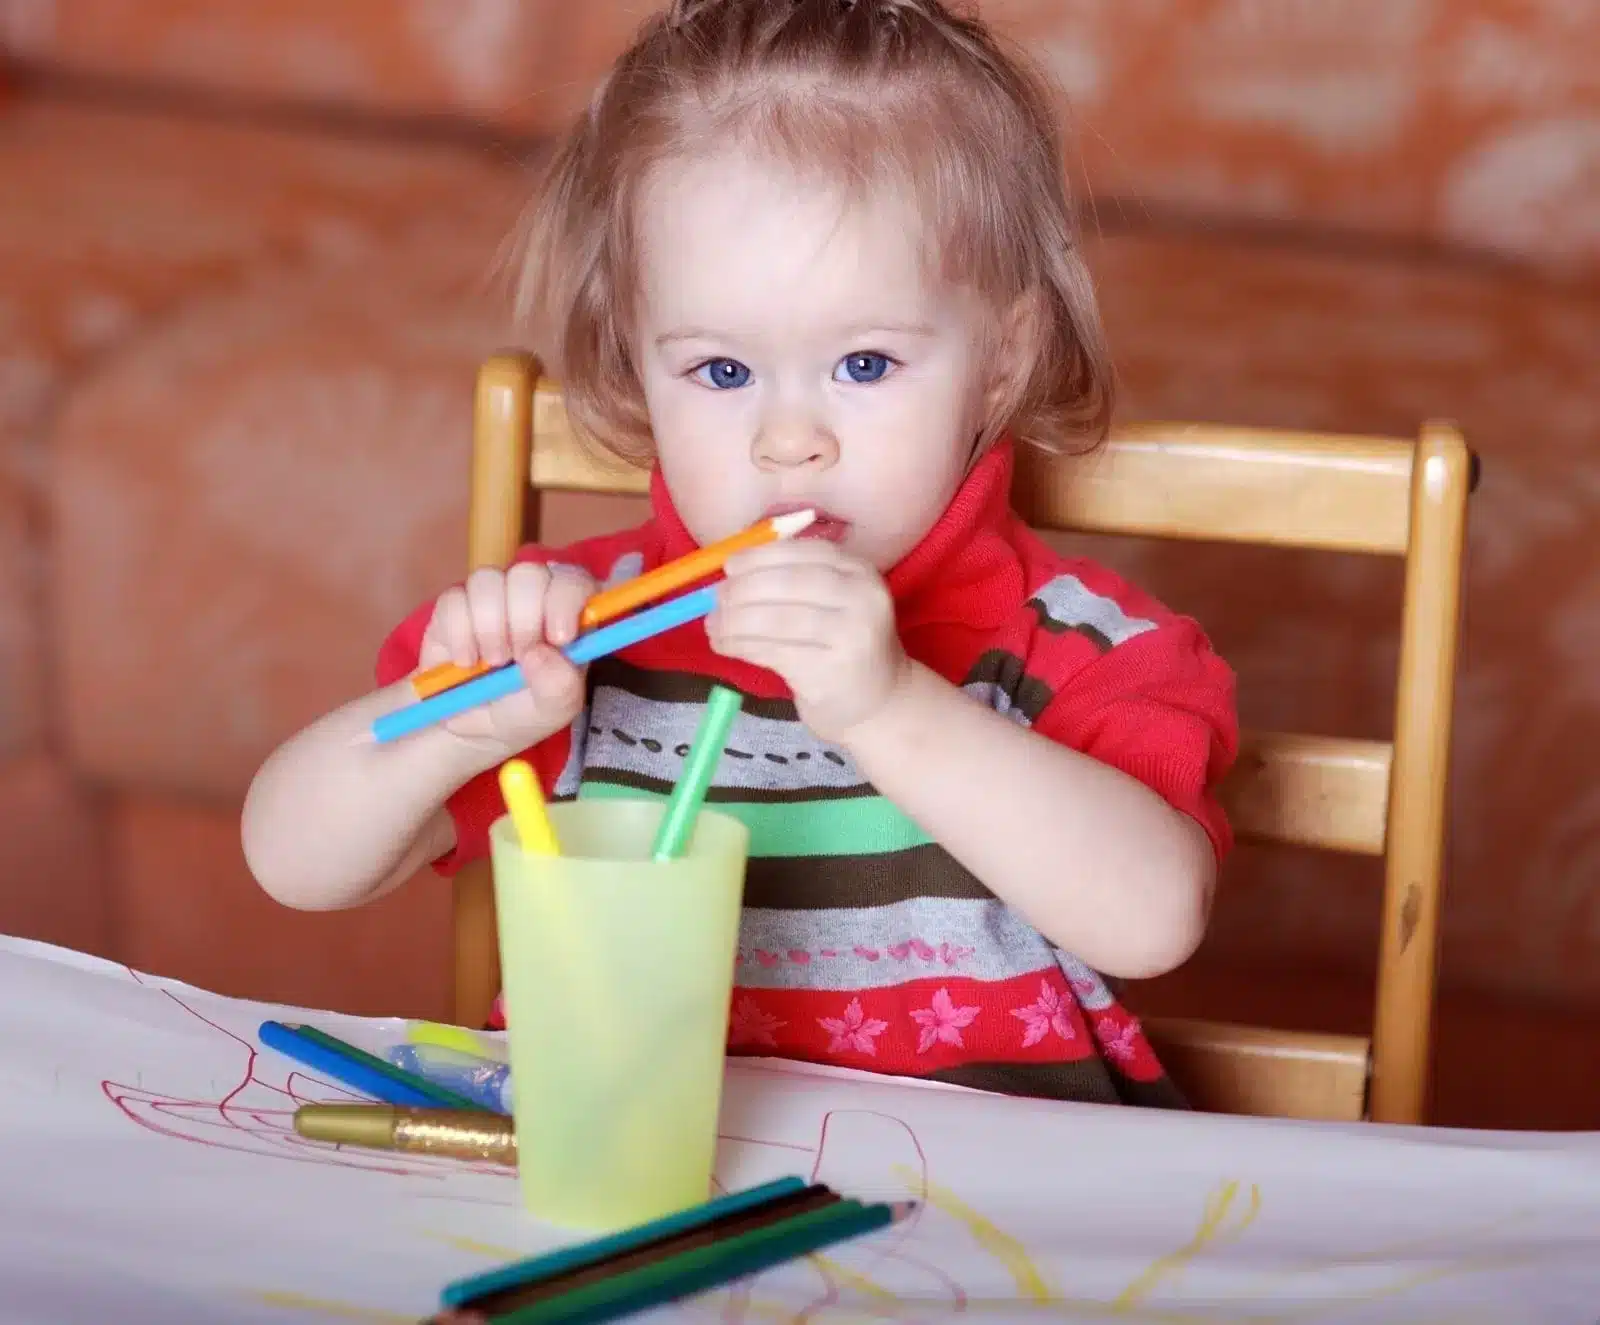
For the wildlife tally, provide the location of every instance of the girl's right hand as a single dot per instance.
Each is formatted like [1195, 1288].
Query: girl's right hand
[525, 614]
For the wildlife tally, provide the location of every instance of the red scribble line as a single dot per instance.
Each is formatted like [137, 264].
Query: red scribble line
[958, 1294]
[771, 1145]
[273, 1127]
[258, 1130]
[830, 1290]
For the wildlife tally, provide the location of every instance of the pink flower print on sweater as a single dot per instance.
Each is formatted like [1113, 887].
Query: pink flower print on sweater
[942, 1023]
[1050, 1013]
[751, 1024]
[1119, 1039]
[854, 1031]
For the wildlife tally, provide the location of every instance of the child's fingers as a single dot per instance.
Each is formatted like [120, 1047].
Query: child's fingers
[569, 590]
[786, 552]
[822, 583]
[556, 685]
[486, 600]
[527, 586]
[450, 631]
[802, 625]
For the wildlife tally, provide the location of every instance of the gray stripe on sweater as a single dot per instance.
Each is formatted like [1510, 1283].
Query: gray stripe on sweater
[1069, 604]
[649, 737]
[875, 947]
[626, 567]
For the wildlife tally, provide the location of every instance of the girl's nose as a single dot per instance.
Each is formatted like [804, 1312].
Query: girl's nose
[794, 443]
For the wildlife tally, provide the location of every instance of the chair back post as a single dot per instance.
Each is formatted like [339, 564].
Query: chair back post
[1429, 631]
[502, 435]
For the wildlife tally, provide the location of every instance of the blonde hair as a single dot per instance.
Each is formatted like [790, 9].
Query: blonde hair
[863, 89]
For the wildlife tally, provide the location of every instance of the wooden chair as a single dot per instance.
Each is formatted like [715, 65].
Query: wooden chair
[1383, 496]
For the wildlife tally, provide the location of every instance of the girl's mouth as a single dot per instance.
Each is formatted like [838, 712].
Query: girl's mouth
[826, 526]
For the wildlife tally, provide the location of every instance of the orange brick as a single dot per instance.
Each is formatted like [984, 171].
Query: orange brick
[53, 882]
[22, 710]
[192, 911]
[476, 60]
[249, 500]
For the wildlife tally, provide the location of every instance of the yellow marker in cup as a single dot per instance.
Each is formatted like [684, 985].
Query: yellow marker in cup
[525, 803]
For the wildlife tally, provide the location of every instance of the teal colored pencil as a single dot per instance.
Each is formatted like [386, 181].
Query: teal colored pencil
[536, 1269]
[705, 1267]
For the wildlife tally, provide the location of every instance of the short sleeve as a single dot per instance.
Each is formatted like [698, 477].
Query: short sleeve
[1160, 706]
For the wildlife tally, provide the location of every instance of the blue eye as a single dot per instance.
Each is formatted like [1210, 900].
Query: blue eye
[723, 374]
[862, 368]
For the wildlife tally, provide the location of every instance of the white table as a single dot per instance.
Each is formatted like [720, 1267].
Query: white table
[149, 1172]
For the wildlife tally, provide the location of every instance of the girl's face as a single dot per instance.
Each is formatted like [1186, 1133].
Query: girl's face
[795, 352]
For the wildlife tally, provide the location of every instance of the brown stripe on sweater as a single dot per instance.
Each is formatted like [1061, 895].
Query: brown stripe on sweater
[803, 883]
[1088, 1080]
[1099, 639]
[678, 688]
[1007, 673]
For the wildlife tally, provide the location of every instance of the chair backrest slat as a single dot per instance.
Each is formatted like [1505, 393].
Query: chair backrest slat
[1222, 1068]
[1310, 791]
[1237, 485]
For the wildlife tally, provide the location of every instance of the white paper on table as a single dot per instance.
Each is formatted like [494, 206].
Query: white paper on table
[149, 1172]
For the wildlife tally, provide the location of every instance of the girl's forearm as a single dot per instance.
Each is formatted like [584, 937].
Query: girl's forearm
[1091, 857]
[331, 817]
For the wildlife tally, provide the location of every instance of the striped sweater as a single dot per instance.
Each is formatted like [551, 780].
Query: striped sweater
[863, 942]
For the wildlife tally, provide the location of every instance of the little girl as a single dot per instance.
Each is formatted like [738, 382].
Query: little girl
[820, 253]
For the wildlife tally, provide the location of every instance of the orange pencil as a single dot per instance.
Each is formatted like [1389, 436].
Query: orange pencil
[609, 604]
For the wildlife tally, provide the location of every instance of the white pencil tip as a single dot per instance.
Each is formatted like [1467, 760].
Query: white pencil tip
[787, 526]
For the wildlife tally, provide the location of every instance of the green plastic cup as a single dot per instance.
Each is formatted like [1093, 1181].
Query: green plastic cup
[617, 973]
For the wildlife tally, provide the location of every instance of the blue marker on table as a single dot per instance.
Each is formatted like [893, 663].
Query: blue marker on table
[507, 680]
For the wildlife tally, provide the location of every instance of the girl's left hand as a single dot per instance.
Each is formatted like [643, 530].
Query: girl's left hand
[820, 619]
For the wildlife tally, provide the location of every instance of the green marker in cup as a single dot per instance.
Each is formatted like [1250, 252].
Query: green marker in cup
[677, 824]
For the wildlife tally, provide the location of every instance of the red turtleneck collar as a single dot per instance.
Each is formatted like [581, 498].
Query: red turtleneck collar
[965, 570]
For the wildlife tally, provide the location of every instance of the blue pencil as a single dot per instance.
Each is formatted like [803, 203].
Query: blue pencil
[507, 680]
[347, 1071]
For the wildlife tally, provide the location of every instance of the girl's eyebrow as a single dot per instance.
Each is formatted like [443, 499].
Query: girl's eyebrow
[855, 330]
[685, 333]
[891, 329]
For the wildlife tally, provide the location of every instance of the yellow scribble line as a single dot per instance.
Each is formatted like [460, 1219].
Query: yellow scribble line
[473, 1248]
[1398, 1287]
[998, 1243]
[1211, 1230]
[338, 1310]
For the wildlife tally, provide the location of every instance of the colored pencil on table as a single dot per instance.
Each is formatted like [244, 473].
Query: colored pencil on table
[539, 1269]
[723, 1231]
[609, 604]
[507, 680]
[356, 1068]
[705, 1267]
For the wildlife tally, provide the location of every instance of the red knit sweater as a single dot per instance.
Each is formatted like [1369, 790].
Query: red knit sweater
[876, 949]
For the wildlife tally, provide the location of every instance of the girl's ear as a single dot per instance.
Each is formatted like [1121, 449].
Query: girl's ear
[1019, 340]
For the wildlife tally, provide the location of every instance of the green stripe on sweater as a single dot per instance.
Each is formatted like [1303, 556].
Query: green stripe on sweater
[849, 826]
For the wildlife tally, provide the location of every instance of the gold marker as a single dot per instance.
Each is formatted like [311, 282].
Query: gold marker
[453, 1133]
